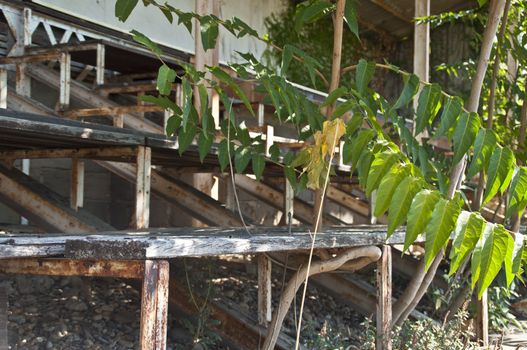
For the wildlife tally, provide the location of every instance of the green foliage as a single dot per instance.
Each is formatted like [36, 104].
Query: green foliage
[410, 180]
[123, 8]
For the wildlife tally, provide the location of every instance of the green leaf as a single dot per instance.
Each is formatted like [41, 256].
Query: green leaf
[513, 257]
[274, 152]
[287, 56]
[334, 95]
[209, 32]
[469, 228]
[475, 263]
[501, 167]
[428, 106]
[363, 166]
[365, 71]
[411, 85]
[350, 16]
[401, 202]
[173, 124]
[492, 256]
[343, 108]
[144, 40]
[347, 152]
[242, 157]
[359, 144]
[162, 101]
[223, 154]
[451, 111]
[464, 135]
[483, 146]
[188, 106]
[258, 165]
[419, 215]
[166, 76]
[227, 79]
[204, 145]
[185, 137]
[310, 12]
[123, 9]
[517, 192]
[381, 165]
[387, 188]
[441, 224]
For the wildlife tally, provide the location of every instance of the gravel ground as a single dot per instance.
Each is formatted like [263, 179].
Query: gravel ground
[89, 313]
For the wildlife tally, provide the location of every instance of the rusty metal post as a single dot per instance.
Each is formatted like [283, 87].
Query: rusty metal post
[142, 195]
[154, 305]
[384, 299]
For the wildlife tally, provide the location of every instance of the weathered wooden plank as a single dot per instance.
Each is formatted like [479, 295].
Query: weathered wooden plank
[87, 153]
[264, 290]
[384, 299]
[66, 267]
[110, 111]
[65, 81]
[154, 305]
[32, 58]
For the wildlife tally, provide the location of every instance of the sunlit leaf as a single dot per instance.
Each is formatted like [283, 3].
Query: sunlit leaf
[492, 257]
[419, 215]
[381, 165]
[123, 9]
[428, 105]
[469, 228]
[501, 167]
[464, 134]
[483, 147]
[387, 188]
[401, 202]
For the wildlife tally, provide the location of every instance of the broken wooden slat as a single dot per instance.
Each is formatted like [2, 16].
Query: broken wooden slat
[384, 299]
[264, 290]
[154, 305]
[66, 267]
[49, 56]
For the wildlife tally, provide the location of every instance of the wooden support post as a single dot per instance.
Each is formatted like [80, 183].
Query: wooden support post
[264, 290]
[3, 88]
[384, 299]
[421, 46]
[289, 202]
[142, 199]
[77, 184]
[65, 80]
[99, 74]
[3, 319]
[261, 114]
[269, 139]
[154, 305]
[118, 120]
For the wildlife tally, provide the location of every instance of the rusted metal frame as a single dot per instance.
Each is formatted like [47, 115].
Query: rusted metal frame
[154, 305]
[264, 290]
[110, 111]
[133, 269]
[142, 194]
[384, 299]
[84, 153]
[77, 184]
[99, 75]
[65, 81]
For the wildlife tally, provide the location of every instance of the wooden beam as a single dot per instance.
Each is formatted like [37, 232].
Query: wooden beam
[142, 194]
[348, 201]
[50, 56]
[3, 88]
[264, 290]
[68, 48]
[384, 299]
[86, 153]
[67, 267]
[77, 184]
[482, 320]
[154, 305]
[393, 10]
[110, 111]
